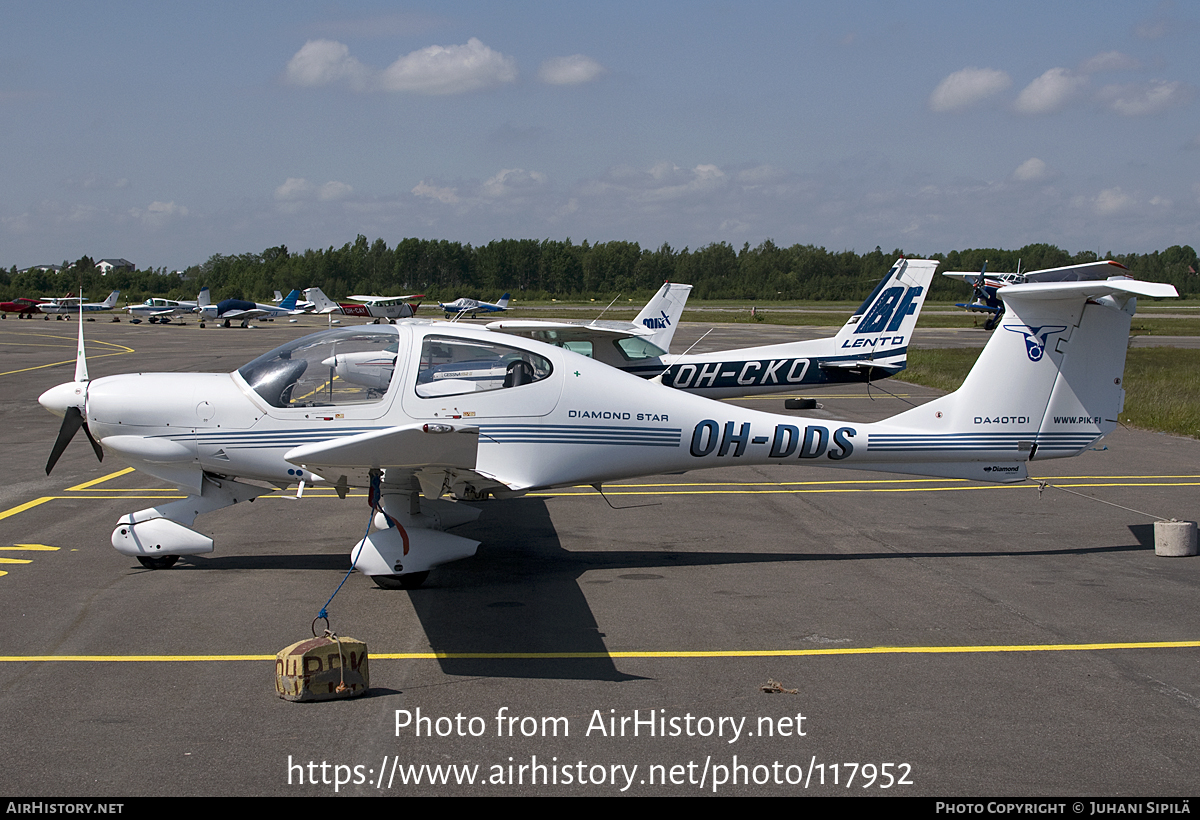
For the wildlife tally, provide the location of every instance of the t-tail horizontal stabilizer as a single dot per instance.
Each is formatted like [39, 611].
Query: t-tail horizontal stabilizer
[1047, 385]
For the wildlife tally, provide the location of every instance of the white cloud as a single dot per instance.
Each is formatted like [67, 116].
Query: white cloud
[1109, 61]
[324, 62]
[1111, 201]
[510, 181]
[297, 189]
[449, 70]
[1141, 99]
[334, 190]
[448, 196]
[158, 213]
[1029, 170]
[294, 188]
[572, 70]
[963, 88]
[432, 70]
[1050, 92]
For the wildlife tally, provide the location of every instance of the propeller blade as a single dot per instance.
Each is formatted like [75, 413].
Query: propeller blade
[72, 421]
[96, 448]
[81, 374]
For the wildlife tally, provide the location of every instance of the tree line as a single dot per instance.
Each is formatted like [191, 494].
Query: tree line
[552, 269]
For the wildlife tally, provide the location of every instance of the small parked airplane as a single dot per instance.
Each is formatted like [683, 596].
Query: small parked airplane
[158, 310]
[613, 342]
[463, 411]
[473, 306]
[240, 310]
[24, 307]
[69, 306]
[390, 308]
[985, 285]
[872, 345]
[306, 306]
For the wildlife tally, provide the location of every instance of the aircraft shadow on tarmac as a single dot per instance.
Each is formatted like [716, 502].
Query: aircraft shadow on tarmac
[521, 592]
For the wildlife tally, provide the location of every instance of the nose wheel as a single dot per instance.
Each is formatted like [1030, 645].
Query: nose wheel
[157, 561]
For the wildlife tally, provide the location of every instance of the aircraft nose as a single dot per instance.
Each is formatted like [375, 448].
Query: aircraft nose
[68, 394]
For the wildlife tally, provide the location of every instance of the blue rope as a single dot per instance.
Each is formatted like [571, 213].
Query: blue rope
[373, 501]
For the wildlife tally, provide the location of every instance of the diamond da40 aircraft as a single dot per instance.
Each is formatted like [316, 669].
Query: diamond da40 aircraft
[448, 410]
[872, 345]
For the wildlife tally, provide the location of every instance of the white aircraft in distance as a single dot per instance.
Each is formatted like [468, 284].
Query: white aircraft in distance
[623, 345]
[157, 310]
[69, 306]
[472, 306]
[425, 423]
[304, 305]
[984, 285]
[240, 310]
[390, 308]
[872, 345]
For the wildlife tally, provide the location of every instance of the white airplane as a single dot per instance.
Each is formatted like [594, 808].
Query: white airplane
[473, 306]
[241, 310]
[390, 308]
[465, 412]
[69, 306]
[158, 310]
[872, 345]
[304, 305]
[623, 345]
[984, 285]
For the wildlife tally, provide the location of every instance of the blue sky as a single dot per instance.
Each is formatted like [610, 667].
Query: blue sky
[164, 133]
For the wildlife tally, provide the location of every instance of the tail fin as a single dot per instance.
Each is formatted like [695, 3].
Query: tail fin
[881, 329]
[278, 297]
[111, 301]
[503, 303]
[322, 302]
[661, 314]
[203, 299]
[1047, 385]
[290, 302]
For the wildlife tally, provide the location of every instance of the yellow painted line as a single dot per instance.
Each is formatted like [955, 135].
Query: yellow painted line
[16, 561]
[163, 497]
[20, 508]
[960, 488]
[96, 481]
[616, 654]
[31, 548]
[91, 357]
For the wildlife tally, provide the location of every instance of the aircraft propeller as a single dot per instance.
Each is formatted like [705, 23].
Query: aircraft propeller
[980, 295]
[69, 401]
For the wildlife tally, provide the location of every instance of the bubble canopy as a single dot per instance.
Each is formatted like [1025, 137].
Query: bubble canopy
[311, 371]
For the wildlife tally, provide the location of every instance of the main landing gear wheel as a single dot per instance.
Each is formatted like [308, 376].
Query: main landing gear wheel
[157, 561]
[410, 580]
[990, 324]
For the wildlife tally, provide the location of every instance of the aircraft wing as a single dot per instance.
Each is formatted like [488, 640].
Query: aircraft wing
[441, 456]
[610, 328]
[412, 445]
[1091, 288]
[153, 311]
[386, 300]
[244, 314]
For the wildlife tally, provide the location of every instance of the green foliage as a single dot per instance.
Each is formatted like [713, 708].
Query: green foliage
[533, 269]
